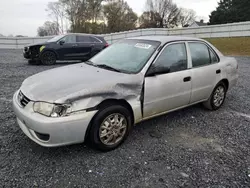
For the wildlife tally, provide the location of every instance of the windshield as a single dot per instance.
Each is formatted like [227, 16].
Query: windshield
[128, 56]
[55, 39]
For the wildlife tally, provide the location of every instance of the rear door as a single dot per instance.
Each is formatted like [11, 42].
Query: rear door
[99, 45]
[206, 71]
[85, 46]
[171, 90]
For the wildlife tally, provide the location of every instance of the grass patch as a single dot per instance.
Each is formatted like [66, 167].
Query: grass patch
[237, 46]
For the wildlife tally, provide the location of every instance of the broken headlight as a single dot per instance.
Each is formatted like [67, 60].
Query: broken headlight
[52, 110]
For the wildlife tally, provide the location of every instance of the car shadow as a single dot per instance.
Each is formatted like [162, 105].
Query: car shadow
[141, 128]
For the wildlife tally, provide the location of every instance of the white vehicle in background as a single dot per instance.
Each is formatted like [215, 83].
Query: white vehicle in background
[131, 81]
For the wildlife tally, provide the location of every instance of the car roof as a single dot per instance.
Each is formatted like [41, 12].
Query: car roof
[84, 34]
[165, 39]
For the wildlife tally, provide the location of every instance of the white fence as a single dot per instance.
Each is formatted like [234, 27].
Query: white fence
[226, 30]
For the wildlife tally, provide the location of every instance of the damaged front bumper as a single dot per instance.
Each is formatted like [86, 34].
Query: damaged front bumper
[31, 53]
[52, 132]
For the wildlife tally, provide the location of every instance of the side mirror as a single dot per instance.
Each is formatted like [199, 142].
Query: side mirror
[157, 70]
[61, 42]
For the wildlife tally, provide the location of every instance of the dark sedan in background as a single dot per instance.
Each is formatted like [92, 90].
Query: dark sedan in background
[65, 47]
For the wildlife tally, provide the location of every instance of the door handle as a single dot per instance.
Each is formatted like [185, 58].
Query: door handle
[74, 45]
[218, 71]
[187, 79]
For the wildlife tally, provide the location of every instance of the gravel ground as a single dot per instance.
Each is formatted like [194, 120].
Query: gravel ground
[188, 148]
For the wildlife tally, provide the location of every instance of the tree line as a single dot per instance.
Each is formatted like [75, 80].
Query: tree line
[230, 11]
[108, 16]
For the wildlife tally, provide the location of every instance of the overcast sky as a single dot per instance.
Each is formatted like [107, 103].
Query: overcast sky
[23, 17]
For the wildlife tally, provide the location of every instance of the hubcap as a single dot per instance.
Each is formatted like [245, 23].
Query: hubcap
[219, 96]
[113, 129]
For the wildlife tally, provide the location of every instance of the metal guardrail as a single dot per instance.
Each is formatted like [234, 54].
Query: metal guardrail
[225, 30]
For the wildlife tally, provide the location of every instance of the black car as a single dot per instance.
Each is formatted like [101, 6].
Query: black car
[65, 47]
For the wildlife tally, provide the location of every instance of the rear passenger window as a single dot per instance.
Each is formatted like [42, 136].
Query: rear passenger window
[174, 57]
[83, 39]
[95, 40]
[200, 54]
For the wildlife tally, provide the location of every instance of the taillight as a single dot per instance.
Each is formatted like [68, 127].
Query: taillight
[106, 45]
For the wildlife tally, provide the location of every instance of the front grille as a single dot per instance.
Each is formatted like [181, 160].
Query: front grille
[22, 99]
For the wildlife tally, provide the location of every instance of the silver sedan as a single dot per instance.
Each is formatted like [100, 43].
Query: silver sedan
[132, 80]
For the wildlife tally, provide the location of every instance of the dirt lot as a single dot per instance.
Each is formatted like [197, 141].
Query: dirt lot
[189, 148]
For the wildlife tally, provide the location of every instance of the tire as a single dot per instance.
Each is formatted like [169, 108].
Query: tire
[100, 125]
[48, 58]
[219, 92]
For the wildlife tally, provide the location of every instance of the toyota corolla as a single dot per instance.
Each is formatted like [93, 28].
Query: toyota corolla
[133, 80]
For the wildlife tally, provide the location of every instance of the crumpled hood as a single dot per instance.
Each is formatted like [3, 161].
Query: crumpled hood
[36, 44]
[79, 81]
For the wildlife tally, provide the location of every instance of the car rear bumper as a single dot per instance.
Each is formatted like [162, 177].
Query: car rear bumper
[52, 132]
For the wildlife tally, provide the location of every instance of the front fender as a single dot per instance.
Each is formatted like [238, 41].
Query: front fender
[129, 90]
[49, 49]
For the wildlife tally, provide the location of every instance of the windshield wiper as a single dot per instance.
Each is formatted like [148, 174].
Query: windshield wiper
[107, 67]
[89, 62]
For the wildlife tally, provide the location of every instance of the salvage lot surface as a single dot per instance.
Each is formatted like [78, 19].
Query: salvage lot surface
[192, 147]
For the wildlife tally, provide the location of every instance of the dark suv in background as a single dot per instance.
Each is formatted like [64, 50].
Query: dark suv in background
[65, 47]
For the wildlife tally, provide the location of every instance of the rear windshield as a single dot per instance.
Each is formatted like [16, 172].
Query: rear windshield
[128, 55]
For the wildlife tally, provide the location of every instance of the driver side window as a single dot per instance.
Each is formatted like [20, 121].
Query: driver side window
[173, 57]
[70, 39]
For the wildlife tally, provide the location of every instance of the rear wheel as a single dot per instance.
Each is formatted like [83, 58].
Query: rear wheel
[217, 98]
[48, 58]
[110, 127]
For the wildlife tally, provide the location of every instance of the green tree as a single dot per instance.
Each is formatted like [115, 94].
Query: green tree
[119, 16]
[229, 11]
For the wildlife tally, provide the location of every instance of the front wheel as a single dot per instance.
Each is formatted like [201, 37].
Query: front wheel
[48, 58]
[110, 127]
[217, 98]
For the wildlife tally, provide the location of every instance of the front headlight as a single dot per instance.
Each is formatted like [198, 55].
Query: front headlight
[52, 110]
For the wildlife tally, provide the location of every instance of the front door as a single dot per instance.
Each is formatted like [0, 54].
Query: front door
[67, 50]
[172, 90]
